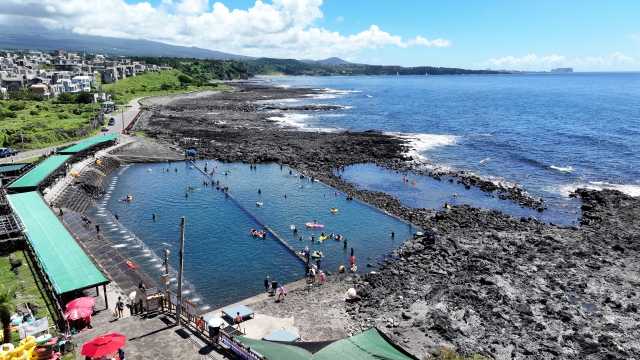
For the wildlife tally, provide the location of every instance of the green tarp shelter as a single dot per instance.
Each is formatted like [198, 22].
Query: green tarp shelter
[64, 261]
[88, 143]
[371, 344]
[34, 177]
[10, 168]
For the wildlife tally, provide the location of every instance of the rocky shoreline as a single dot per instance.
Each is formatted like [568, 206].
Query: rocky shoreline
[492, 284]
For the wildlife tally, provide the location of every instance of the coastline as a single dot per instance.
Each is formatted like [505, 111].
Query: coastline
[493, 284]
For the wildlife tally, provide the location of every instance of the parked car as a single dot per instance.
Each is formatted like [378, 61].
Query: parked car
[112, 121]
[105, 128]
[106, 111]
[4, 152]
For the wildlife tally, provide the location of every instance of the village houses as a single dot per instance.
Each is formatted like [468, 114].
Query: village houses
[72, 73]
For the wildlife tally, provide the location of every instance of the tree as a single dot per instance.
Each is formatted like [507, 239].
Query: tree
[7, 305]
[184, 79]
[84, 98]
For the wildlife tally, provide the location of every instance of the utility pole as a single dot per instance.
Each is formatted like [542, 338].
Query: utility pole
[123, 123]
[166, 268]
[21, 138]
[179, 296]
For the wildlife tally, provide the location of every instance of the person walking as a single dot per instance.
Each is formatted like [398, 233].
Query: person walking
[238, 321]
[120, 308]
[266, 284]
[318, 262]
[352, 260]
[274, 286]
[312, 275]
[281, 293]
[323, 277]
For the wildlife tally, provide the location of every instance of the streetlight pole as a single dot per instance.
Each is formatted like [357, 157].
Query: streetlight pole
[179, 295]
[123, 123]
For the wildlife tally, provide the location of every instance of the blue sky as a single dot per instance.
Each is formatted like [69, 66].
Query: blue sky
[527, 35]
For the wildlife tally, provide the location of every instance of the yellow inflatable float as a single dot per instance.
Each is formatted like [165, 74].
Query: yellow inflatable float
[334, 210]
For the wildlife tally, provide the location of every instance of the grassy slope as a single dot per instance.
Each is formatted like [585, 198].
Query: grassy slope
[47, 123]
[151, 84]
[26, 284]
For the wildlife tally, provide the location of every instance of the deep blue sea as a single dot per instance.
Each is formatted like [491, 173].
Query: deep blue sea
[548, 133]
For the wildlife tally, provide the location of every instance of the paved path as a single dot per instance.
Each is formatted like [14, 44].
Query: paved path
[122, 120]
[154, 337]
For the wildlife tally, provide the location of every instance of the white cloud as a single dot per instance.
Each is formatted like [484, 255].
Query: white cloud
[419, 40]
[526, 61]
[375, 60]
[614, 59]
[339, 19]
[282, 28]
[191, 6]
[620, 58]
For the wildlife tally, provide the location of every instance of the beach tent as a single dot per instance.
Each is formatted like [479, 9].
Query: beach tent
[371, 344]
[191, 152]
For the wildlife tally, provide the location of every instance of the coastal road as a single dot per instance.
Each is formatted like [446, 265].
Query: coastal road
[122, 120]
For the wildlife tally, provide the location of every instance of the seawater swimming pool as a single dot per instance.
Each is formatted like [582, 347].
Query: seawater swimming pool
[223, 262]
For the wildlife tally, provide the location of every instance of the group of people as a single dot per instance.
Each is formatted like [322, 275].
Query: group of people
[272, 287]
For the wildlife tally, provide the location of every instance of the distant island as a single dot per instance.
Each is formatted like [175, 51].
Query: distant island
[562, 70]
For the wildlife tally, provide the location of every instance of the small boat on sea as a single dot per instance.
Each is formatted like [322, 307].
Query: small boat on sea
[130, 265]
[314, 225]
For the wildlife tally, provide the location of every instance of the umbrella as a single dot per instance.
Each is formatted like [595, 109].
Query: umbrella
[82, 302]
[103, 345]
[75, 314]
[213, 321]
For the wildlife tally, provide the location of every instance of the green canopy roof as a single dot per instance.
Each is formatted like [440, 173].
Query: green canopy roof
[65, 263]
[34, 177]
[88, 143]
[370, 344]
[4, 169]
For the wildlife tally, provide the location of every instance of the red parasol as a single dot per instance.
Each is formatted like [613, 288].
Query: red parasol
[83, 302]
[79, 313]
[103, 345]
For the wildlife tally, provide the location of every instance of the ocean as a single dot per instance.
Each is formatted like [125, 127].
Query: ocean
[548, 133]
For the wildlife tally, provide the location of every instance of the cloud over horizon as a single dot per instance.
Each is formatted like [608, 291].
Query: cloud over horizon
[283, 28]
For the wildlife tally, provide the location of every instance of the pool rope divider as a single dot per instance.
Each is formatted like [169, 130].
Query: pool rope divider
[294, 251]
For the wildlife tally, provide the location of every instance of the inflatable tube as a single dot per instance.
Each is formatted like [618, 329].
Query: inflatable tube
[24, 355]
[6, 348]
[42, 353]
[28, 343]
[130, 265]
[334, 210]
[17, 352]
[312, 225]
[49, 343]
[43, 338]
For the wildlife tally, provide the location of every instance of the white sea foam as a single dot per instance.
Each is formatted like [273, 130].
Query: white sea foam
[291, 119]
[120, 245]
[420, 143]
[562, 169]
[283, 86]
[629, 189]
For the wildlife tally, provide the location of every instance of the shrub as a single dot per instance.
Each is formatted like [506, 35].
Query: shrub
[77, 111]
[16, 106]
[165, 86]
[66, 98]
[10, 114]
[84, 98]
[34, 112]
[63, 116]
[184, 79]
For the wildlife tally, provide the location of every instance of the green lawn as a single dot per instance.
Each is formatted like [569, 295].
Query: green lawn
[43, 123]
[27, 285]
[154, 84]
